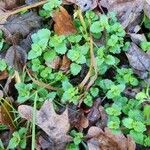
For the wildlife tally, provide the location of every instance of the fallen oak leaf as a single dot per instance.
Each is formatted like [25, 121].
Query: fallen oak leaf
[56, 126]
[63, 22]
[102, 140]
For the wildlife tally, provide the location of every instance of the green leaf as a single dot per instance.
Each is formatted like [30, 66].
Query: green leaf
[128, 123]
[61, 48]
[14, 141]
[114, 110]
[75, 69]
[139, 126]
[23, 91]
[66, 85]
[147, 141]
[105, 84]
[141, 96]
[96, 27]
[145, 46]
[137, 136]
[88, 100]
[49, 56]
[110, 60]
[75, 38]
[3, 65]
[35, 51]
[45, 73]
[113, 125]
[94, 91]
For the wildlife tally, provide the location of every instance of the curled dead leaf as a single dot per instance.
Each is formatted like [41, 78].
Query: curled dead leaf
[102, 140]
[63, 22]
[65, 64]
[56, 126]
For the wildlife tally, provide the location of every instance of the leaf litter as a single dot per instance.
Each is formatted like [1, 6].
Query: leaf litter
[92, 121]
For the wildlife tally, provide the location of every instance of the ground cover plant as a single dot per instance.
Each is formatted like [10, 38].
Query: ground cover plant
[75, 75]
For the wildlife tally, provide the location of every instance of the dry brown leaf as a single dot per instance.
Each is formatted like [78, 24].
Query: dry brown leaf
[10, 4]
[139, 60]
[55, 63]
[23, 24]
[16, 57]
[6, 115]
[127, 10]
[56, 126]
[63, 22]
[147, 8]
[102, 140]
[65, 64]
[3, 75]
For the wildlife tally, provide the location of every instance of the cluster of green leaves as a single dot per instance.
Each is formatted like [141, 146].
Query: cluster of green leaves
[18, 139]
[145, 46]
[111, 32]
[124, 115]
[77, 139]
[127, 116]
[49, 7]
[126, 76]
[89, 96]
[3, 65]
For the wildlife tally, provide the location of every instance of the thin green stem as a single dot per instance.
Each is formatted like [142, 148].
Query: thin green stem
[33, 122]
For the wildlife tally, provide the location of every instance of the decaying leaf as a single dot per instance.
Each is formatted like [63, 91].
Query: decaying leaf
[3, 75]
[139, 60]
[137, 38]
[56, 126]
[147, 8]
[127, 10]
[23, 24]
[65, 64]
[63, 22]
[106, 140]
[84, 4]
[55, 63]
[16, 57]
[10, 4]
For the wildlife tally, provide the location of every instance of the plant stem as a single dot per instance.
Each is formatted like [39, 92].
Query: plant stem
[33, 122]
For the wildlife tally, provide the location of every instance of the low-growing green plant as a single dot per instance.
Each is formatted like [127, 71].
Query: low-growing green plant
[77, 139]
[18, 139]
[49, 7]
[126, 115]
[3, 65]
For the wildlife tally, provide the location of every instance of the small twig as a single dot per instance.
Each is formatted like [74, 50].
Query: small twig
[93, 64]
